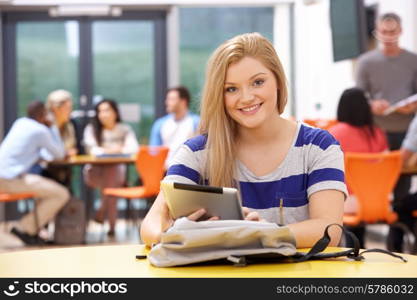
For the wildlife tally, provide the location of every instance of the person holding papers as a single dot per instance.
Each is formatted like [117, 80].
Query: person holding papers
[389, 75]
[287, 173]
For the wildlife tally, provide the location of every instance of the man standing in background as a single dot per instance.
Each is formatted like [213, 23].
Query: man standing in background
[388, 75]
[178, 126]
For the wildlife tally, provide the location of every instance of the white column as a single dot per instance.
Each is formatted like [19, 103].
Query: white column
[1, 81]
[173, 45]
[320, 80]
[282, 43]
[2, 205]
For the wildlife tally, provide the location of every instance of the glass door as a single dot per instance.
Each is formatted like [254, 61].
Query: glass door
[123, 70]
[47, 58]
[122, 58]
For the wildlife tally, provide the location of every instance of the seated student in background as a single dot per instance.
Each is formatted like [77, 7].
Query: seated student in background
[408, 205]
[59, 106]
[178, 126]
[108, 135]
[20, 150]
[356, 132]
[245, 143]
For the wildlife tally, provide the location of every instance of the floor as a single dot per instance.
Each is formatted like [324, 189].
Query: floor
[126, 233]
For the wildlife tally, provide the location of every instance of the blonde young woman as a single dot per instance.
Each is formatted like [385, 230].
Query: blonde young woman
[59, 106]
[59, 103]
[245, 143]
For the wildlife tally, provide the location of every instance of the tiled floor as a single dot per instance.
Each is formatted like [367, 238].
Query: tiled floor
[126, 233]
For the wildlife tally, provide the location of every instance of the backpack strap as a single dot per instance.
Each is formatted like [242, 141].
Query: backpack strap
[324, 241]
[385, 252]
[314, 253]
[353, 253]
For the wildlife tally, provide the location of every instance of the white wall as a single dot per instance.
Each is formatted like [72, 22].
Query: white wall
[407, 10]
[318, 78]
[1, 80]
[2, 213]
[282, 44]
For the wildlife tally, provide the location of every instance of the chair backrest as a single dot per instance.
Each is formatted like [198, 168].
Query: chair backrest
[321, 123]
[372, 178]
[150, 164]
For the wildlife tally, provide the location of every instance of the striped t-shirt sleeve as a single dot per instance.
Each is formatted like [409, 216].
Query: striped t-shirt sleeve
[326, 165]
[185, 167]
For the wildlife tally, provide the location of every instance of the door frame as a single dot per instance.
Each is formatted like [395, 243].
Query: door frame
[85, 76]
[10, 20]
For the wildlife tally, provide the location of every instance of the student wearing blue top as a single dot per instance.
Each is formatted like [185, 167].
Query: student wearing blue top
[20, 150]
[245, 143]
[178, 126]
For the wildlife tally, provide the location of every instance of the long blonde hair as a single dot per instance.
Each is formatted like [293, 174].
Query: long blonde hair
[219, 127]
[56, 99]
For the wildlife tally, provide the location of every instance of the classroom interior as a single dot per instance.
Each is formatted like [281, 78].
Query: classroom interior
[133, 51]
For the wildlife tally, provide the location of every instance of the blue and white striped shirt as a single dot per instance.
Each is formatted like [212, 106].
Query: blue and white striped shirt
[313, 163]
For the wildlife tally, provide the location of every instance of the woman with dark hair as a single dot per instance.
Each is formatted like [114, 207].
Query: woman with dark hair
[356, 132]
[108, 135]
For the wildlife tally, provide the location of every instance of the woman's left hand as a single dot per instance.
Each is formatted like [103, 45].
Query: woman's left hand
[251, 215]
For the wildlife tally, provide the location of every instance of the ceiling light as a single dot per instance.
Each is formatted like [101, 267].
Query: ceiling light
[84, 10]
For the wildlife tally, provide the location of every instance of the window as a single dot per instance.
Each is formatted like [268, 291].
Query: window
[203, 29]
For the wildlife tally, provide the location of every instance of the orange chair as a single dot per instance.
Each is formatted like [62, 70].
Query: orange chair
[321, 123]
[12, 197]
[372, 178]
[7, 197]
[150, 164]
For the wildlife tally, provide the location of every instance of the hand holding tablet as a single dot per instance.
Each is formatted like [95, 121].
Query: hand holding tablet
[184, 200]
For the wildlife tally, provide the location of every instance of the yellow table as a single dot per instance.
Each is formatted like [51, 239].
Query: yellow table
[91, 159]
[120, 261]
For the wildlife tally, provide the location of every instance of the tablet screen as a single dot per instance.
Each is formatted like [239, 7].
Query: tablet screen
[184, 199]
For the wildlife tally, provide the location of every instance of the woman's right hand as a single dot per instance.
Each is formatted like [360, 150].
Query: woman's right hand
[198, 214]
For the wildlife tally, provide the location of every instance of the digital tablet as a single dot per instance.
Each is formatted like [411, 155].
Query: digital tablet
[184, 199]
